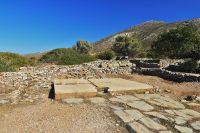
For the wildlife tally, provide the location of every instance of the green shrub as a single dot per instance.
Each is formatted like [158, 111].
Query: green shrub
[127, 46]
[82, 47]
[11, 61]
[64, 56]
[183, 42]
[5, 67]
[107, 55]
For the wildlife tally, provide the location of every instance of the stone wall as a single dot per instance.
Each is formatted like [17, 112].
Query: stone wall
[168, 75]
[41, 76]
[155, 63]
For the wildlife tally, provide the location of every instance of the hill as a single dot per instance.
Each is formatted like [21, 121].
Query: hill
[146, 32]
[37, 55]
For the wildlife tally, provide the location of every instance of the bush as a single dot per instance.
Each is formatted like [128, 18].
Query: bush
[11, 61]
[107, 55]
[82, 47]
[183, 42]
[5, 67]
[64, 56]
[127, 46]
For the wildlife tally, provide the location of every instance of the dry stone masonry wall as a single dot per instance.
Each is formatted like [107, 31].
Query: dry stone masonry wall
[41, 76]
[157, 68]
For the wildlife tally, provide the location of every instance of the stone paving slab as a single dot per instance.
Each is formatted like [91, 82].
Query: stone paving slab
[125, 117]
[72, 100]
[196, 125]
[180, 120]
[116, 107]
[183, 129]
[70, 81]
[165, 132]
[152, 124]
[128, 98]
[74, 88]
[121, 85]
[117, 100]
[157, 115]
[148, 118]
[136, 127]
[97, 100]
[141, 105]
[135, 114]
[161, 101]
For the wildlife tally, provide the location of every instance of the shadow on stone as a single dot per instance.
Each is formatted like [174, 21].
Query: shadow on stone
[52, 92]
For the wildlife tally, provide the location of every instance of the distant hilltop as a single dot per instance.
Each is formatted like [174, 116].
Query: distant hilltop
[146, 32]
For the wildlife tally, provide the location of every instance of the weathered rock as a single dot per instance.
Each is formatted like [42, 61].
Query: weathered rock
[120, 85]
[114, 99]
[125, 117]
[128, 98]
[198, 98]
[191, 113]
[116, 107]
[141, 105]
[156, 114]
[97, 100]
[72, 100]
[3, 101]
[183, 129]
[180, 121]
[136, 127]
[196, 125]
[165, 132]
[161, 101]
[134, 114]
[152, 124]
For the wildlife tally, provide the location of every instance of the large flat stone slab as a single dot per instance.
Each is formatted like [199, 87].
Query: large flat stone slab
[183, 129]
[125, 117]
[74, 88]
[152, 124]
[136, 127]
[134, 114]
[196, 125]
[70, 81]
[97, 100]
[141, 105]
[161, 101]
[157, 115]
[72, 100]
[120, 85]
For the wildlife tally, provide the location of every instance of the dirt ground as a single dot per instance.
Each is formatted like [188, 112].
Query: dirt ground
[47, 117]
[178, 89]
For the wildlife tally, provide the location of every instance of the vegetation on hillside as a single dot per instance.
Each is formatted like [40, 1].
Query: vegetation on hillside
[106, 55]
[12, 61]
[180, 43]
[146, 32]
[127, 46]
[64, 56]
[82, 47]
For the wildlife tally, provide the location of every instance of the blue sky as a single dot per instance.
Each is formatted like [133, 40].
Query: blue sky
[28, 26]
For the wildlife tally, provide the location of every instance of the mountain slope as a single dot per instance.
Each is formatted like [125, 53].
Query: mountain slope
[146, 32]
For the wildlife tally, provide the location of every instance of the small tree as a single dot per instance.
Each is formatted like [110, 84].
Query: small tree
[83, 47]
[183, 42]
[127, 46]
[106, 55]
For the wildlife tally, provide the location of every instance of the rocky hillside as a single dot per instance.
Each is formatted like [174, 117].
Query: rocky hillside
[146, 32]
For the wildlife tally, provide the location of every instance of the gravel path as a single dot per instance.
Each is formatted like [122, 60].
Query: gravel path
[47, 117]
